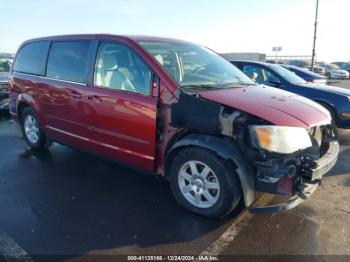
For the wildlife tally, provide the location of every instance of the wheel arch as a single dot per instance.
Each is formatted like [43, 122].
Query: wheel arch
[26, 100]
[20, 107]
[224, 148]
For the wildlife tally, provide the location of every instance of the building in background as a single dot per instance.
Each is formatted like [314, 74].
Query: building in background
[244, 56]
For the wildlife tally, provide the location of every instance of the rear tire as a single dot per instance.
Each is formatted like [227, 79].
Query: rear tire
[204, 183]
[32, 130]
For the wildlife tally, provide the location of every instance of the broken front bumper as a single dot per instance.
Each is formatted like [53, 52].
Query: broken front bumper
[324, 165]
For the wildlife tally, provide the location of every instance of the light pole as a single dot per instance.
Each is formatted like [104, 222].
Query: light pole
[315, 35]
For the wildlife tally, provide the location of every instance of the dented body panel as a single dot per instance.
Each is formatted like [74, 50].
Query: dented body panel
[274, 105]
[225, 131]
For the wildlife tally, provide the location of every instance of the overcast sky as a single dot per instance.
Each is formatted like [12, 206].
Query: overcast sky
[222, 25]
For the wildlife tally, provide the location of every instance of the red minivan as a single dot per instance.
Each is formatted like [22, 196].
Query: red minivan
[176, 109]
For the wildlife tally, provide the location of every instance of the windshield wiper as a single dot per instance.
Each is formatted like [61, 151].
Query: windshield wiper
[217, 86]
[235, 84]
[202, 86]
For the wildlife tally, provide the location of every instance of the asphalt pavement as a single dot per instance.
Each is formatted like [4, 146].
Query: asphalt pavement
[69, 203]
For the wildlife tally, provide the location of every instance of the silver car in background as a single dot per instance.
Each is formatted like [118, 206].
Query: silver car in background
[306, 64]
[334, 72]
[343, 65]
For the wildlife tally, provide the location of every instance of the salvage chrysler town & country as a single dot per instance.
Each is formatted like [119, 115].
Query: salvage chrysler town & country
[176, 109]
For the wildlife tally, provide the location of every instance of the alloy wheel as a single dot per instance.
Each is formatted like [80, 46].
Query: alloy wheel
[198, 183]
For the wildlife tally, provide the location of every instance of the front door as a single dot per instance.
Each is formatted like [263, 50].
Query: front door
[123, 114]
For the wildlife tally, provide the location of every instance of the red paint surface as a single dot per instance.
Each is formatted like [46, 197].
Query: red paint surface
[274, 105]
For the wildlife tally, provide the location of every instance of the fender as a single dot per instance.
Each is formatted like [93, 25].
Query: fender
[28, 100]
[226, 149]
[24, 99]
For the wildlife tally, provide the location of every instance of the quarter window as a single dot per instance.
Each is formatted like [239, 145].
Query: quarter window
[68, 61]
[31, 58]
[119, 67]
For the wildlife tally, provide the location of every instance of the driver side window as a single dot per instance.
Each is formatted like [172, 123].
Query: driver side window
[259, 75]
[119, 67]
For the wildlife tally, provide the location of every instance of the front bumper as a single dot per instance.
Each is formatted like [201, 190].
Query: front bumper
[324, 165]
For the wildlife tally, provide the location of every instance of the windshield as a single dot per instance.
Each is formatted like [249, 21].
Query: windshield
[5, 64]
[193, 66]
[288, 75]
[334, 67]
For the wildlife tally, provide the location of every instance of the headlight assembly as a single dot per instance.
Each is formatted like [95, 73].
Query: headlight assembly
[280, 139]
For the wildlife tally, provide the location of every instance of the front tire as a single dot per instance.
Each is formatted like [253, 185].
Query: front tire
[32, 131]
[204, 183]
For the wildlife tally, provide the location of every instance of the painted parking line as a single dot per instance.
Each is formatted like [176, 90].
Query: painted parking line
[220, 245]
[11, 251]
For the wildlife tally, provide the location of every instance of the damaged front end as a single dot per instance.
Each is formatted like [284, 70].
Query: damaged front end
[297, 174]
[287, 161]
[283, 173]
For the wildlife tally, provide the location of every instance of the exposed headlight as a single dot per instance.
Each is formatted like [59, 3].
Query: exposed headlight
[280, 139]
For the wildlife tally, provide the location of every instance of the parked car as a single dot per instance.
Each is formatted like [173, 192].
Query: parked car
[307, 75]
[335, 99]
[176, 109]
[319, 70]
[343, 65]
[274, 61]
[300, 63]
[307, 65]
[5, 65]
[332, 71]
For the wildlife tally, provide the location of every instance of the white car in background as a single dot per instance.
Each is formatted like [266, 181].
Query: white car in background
[333, 71]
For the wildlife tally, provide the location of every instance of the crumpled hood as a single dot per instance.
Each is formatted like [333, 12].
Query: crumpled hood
[274, 105]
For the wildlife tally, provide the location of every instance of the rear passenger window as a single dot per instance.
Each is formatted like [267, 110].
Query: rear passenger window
[68, 61]
[31, 58]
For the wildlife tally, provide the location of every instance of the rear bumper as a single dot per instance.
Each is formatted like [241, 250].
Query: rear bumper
[324, 165]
